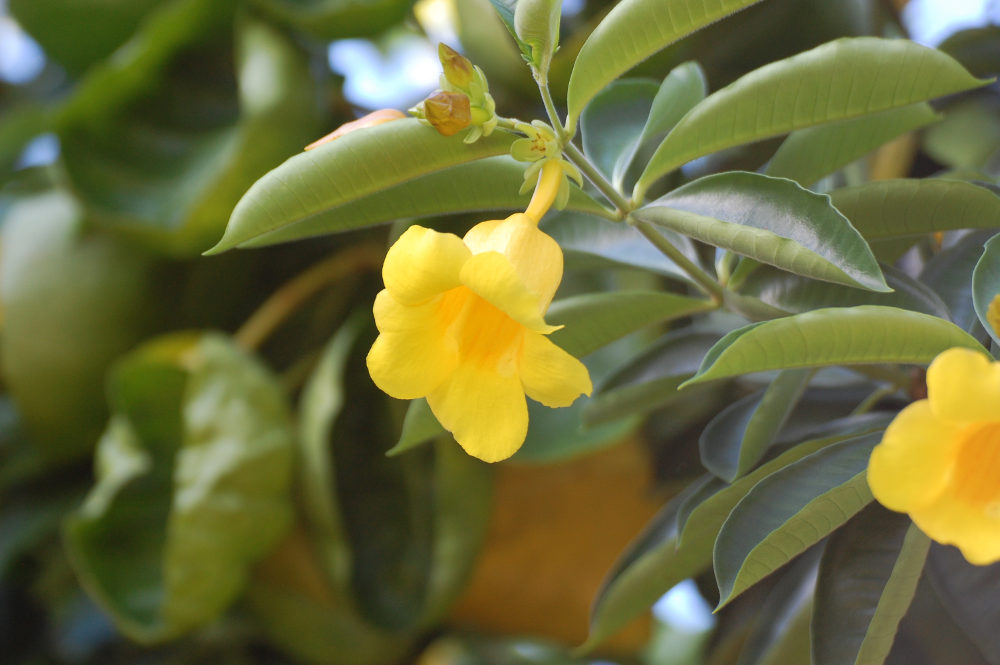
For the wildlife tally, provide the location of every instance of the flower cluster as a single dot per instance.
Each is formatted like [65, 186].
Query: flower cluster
[461, 322]
[463, 101]
[939, 460]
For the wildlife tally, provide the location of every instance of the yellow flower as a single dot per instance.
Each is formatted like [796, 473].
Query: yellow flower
[461, 322]
[939, 460]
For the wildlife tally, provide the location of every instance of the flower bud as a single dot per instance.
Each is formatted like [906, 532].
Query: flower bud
[457, 68]
[448, 112]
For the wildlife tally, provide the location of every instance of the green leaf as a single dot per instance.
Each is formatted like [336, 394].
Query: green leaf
[192, 482]
[986, 286]
[586, 236]
[867, 579]
[343, 171]
[683, 87]
[596, 319]
[968, 593]
[649, 380]
[793, 294]
[976, 48]
[833, 336]
[949, 273]
[968, 137]
[536, 25]
[419, 427]
[484, 185]
[630, 33]
[736, 439]
[772, 220]
[613, 123]
[151, 169]
[810, 154]
[897, 208]
[789, 511]
[337, 19]
[779, 628]
[839, 80]
[72, 303]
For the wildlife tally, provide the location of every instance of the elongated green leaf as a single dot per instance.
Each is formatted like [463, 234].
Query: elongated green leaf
[597, 319]
[842, 79]
[739, 436]
[986, 287]
[949, 273]
[867, 579]
[810, 154]
[779, 629]
[789, 511]
[536, 25]
[336, 19]
[613, 123]
[630, 33]
[793, 294]
[419, 426]
[489, 184]
[772, 220]
[683, 87]
[586, 236]
[651, 379]
[833, 336]
[342, 171]
[192, 480]
[968, 593]
[896, 208]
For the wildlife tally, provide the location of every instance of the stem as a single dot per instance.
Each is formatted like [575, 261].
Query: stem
[550, 109]
[294, 293]
[593, 175]
[700, 277]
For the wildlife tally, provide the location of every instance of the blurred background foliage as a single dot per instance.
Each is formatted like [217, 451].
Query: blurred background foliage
[276, 530]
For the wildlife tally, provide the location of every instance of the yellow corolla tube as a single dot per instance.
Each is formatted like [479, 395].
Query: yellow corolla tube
[939, 460]
[461, 322]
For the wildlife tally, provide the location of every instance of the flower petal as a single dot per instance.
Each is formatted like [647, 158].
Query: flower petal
[411, 357]
[422, 264]
[491, 276]
[485, 412]
[912, 464]
[964, 386]
[953, 522]
[536, 257]
[550, 375]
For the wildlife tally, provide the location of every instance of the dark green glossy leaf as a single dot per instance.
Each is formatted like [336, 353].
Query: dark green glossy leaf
[793, 294]
[895, 208]
[810, 154]
[949, 273]
[72, 301]
[986, 286]
[867, 579]
[336, 19]
[736, 439]
[489, 184]
[630, 33]
[779, 630]
[839, 80]
[346, 170]
[968, 593]
[833, 336]
[192, 481]
[613, 122]
[615, 243]
[597, 319]
[789, 511]
[772, 220]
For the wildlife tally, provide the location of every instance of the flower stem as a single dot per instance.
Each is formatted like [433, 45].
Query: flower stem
[700, 277]
[550, 109]
[294, 293]
[599, 181]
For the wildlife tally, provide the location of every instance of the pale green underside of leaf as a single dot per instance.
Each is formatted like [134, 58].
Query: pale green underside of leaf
[630, 33]
[986, 284]
[810, 154]
[898, 208]
[489, 184]
[788, 512]
[773, 220]
[842, 79]
[594, 320]
[361, 163]
[833, 336]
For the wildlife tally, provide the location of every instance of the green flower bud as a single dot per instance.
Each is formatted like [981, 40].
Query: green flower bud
[457, 68]
[448, 112]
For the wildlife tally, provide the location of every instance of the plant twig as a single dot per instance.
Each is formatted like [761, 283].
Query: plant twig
[705, 281]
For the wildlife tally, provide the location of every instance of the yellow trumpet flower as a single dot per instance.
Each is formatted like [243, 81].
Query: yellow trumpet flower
[939, 460]
[461, 322]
